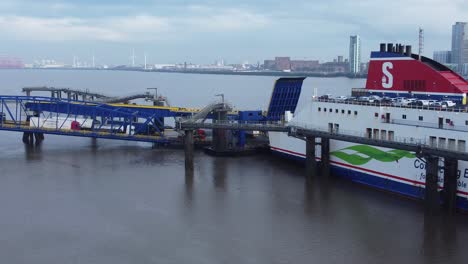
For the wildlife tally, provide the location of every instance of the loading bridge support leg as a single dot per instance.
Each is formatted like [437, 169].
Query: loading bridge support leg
[325, 149]
[39, 137]
[431, 193]
[311, 163]
[28, 138]
[188, 147]
[450, 184]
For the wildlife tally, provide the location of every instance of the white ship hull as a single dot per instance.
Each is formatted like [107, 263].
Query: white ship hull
[371, 165]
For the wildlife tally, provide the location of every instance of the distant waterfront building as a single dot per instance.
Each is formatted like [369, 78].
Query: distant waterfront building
[283, 63]
[364, 67]
[354, 54]
[444, 56]
[286, 64]
[460, 44]
[10, 63]
[464, 70]
[304, 65]
[269, 65]
[334, 67]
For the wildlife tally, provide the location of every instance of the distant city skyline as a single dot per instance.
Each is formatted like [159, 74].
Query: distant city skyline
[171, 31]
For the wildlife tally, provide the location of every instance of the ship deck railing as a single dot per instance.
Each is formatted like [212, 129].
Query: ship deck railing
[446, 126]
[459, 109]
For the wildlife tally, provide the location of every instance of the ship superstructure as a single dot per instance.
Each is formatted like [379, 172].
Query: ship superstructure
[407, 97]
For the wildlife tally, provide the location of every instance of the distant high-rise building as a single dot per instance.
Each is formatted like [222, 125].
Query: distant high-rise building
[340, 58]
[444, 56]
[460, 44]
[354, 54]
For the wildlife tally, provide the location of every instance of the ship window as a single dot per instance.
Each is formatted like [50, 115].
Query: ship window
[343, 111]
[324, 109]
[451, 143]
[376, 114]
[319, 109]
[331, 110]
[403, 116]
[336, 111]
[337, 128]
[461, 145]
[466, 122]
[414, 84]
[349, 112]
[442, 143]
[355, 112]
[376, 133]
[369, 132]
[383, 134]
[420, 118]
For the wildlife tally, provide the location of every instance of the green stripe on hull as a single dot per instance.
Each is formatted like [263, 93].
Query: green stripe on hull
[366, 153]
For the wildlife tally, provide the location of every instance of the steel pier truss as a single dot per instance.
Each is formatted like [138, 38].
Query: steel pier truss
[49, 115]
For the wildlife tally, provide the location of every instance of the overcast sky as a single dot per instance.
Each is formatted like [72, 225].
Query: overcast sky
[171, 31]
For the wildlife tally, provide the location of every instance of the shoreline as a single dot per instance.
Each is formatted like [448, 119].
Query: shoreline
[241, 73]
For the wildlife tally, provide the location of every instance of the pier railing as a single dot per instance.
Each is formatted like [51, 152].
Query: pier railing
[302, 130]
[355, 133]
[420, 146]
[236, 125]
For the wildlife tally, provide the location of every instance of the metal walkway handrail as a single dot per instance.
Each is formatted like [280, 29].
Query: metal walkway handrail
[303, 130]
[204, 112]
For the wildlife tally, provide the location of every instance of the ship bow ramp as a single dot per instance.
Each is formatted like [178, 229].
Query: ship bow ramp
[284, 97]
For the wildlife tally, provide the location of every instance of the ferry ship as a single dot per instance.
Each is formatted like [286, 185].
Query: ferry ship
[399, 77]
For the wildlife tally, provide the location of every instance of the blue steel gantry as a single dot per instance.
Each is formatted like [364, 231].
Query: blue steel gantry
[103, 118]
[46, 115]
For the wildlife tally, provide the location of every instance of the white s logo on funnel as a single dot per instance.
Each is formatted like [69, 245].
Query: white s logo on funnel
[387, 79]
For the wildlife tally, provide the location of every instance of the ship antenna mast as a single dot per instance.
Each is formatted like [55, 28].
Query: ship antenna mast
[421, 42]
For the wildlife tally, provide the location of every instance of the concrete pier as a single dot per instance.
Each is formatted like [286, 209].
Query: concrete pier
[311, 163]
[325, 149]
[431, 192]
[450, 185]
[220, 139]
[188, 147]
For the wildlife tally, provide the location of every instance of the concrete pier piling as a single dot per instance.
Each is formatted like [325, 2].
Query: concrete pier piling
[450, 184]
[220, 142]
[39, 137]
[28, 138]
[188, 147]
[431, 193]
[311, 163]
[325, 147]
